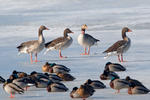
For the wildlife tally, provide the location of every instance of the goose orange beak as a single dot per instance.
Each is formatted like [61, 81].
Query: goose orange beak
[47, 29]
[129, 30]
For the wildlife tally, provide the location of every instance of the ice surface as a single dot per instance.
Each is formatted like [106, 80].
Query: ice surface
[20, 20]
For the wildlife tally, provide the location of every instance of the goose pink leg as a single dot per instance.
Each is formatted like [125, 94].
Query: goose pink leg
[119, 58]
[31, 58]
[60, 55]
[36, 58]
[85, 53]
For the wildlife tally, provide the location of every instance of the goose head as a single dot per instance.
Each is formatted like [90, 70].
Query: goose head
[42, 27]
[83, 28]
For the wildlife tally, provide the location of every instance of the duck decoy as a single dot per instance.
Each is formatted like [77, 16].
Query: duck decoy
[120, 46]
[134, 89]
[114, 67]
[134, 81]
[84, 91]
[34, 46]
[41, 83]
[60, 43]
[39, 76]
[23, 82]
[12, 88]
[19, 74]
[57, 68]
[86, 40]
[2, 80]
[66, 76]
[107, 75]
[56, 87]
[96, 84]
[53, 77]
[118, 84]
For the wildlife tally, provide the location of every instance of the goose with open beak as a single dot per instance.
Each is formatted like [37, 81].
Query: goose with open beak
[86, 40]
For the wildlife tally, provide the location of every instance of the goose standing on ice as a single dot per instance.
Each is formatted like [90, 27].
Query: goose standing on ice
[120, 46]
[86, 40]
[34, 46]
[60, 43]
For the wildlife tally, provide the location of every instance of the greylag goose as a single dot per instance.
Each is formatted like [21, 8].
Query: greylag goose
[34, 46]
[60, 43]
[120, 46]
[86, 40]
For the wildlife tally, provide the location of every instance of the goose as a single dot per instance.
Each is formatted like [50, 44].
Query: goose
[96, 84]
[12, 88]
[60, 43]
[120, 46]
[33, 46]
[118, 84]
[86, 40]
[114, 67]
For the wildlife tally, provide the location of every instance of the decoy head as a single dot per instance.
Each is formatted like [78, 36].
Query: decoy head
[46, 74]
[128, 78]
[42, 27]
[108, 63]
[89, 81]
[82, 86]
[67, 30]
[8, 80]
[14, 72]
[13, 76]
[46, 63]
[32, 73]
[75, 88]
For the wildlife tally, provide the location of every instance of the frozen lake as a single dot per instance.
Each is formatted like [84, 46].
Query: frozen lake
[20, 20]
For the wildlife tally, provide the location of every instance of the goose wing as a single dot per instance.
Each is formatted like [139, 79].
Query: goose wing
[55, 42]
[115, 46]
